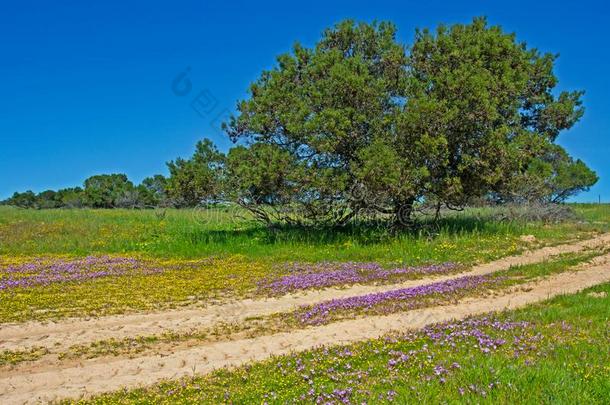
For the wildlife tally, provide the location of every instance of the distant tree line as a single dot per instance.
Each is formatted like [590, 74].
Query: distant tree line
[99, 191]
[363, 123]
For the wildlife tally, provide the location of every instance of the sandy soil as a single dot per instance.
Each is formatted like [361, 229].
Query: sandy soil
[31, 385]
[64, 333]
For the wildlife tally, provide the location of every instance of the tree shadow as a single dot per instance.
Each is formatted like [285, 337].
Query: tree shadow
[360, 232]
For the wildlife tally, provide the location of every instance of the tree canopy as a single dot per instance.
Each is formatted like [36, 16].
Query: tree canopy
[107, 190]
[198, 179]
[368, 124]
[100, 191]
[551, 177]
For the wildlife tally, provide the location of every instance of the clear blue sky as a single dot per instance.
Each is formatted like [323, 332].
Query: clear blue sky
[87, 88]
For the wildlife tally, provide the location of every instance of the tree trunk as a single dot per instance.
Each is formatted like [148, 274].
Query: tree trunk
[403, 210]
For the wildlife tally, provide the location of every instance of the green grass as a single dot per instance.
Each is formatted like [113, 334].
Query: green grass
[462, 237]
[555, 265]
[561, 356]
[13, 357]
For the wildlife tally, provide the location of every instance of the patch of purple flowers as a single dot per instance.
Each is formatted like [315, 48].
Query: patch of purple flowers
[319, 275]
[395, 300]
[474, 328]
[43, 272]
[428, 355]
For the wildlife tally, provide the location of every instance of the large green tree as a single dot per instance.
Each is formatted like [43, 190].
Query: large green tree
[370, 125]
[486, 101]
[322, 106]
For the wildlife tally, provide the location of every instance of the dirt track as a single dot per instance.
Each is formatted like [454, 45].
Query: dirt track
[96, 377]
[65, 333]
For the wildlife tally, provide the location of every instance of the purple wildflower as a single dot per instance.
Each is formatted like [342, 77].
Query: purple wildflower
[43, 272]
[404, 298]
[326, 274]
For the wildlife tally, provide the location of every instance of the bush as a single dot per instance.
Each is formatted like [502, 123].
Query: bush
[538, 212]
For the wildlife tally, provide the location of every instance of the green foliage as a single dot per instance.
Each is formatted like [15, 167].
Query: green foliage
[109, 190]
[48, 199]
[101, 191]
[152, 192]
[321, 106]
[551, 177]
[570, 177]
[22, 200]
[71, 197]
[198, 179]
[448, 121]
[260, 175]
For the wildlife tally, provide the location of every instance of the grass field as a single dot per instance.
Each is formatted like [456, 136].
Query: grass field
[189, 256]
[461, 236]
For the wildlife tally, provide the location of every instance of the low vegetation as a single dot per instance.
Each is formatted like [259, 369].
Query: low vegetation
[176, 260]
[324, 312]
[13, 357]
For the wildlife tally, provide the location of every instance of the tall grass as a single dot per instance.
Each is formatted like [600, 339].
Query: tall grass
[465, 236]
